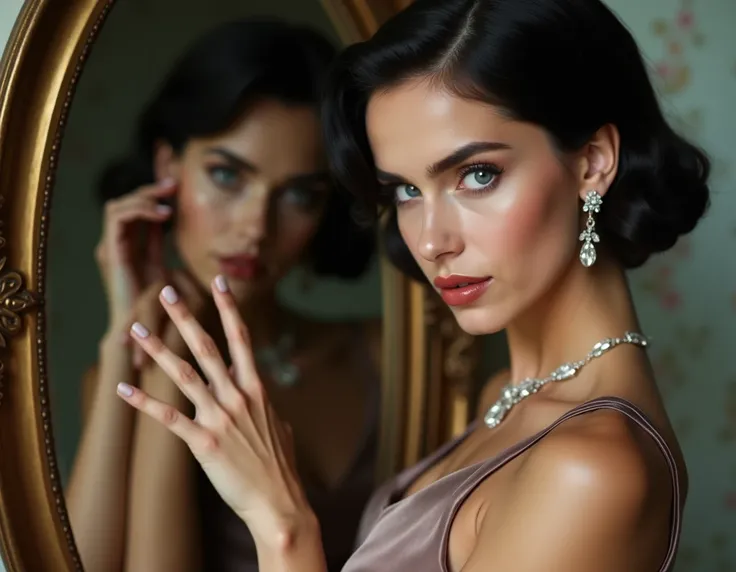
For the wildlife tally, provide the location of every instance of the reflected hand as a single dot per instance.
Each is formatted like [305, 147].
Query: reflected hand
[151, 314]
[130, 251]
[244, 449]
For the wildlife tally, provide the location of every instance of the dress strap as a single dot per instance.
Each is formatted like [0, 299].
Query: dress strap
[615, 403]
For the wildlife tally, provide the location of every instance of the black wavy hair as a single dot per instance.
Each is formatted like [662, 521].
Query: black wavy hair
[567, 66]
[207, 92]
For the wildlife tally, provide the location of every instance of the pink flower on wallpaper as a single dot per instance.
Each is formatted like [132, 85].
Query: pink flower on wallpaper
[676, 32]
[660, 284]
[671, 300]
[685, 19]
[675, 48]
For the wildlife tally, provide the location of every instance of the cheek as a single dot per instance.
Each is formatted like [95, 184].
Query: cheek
[197, 217]
[538, 229]
[410, 228]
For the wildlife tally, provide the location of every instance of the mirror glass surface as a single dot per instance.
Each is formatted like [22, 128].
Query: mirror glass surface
[235, 135]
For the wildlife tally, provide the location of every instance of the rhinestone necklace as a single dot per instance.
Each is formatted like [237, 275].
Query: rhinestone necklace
[513, 394]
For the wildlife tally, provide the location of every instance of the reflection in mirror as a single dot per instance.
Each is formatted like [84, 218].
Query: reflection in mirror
[193, 149]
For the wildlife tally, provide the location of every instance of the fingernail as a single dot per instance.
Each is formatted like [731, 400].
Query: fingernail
[140, 330]
[125, 390]
[221, 283]
[167, 182]
[163, 209]
[170, 295]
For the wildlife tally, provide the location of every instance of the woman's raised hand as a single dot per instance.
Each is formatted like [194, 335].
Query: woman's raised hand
[130, 251]
[244, 449]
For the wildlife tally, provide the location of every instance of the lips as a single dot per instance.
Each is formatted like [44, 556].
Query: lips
[243, 267]
[459, 290]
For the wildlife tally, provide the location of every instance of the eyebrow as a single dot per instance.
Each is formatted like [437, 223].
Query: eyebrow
[453, 159]
[241, 162]
[233, 158]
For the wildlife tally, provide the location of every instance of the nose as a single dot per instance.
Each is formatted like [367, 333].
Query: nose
[250, 216]
[440, 236]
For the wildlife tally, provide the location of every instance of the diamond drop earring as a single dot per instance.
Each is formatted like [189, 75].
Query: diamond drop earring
[589, 237]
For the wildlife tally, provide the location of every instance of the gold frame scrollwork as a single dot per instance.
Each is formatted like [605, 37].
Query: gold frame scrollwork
[15, 301]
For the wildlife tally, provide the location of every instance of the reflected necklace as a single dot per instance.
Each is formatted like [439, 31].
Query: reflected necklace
[513, 394]
[276, 360]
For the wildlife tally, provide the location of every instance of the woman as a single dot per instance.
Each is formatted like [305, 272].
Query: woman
[229, 157]
[526, 164]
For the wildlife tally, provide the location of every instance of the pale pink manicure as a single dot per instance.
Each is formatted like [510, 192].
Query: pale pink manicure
[221, 283]
[170, 295]
[163, 209]
[125, 390]
[167, 182]
[140, 330]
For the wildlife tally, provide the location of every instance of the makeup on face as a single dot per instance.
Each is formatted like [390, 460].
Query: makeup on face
[458, 290]
[241, 267]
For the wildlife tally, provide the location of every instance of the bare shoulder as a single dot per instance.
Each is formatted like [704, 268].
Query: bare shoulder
[601, 455]
[594, 479]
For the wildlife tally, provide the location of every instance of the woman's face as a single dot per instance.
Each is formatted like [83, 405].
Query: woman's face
[488, 208]
[250, 200]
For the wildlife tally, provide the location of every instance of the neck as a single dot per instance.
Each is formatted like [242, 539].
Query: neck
[586, 306]
[264, 317]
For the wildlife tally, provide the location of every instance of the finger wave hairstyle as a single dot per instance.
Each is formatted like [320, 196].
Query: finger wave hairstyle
[567, 66]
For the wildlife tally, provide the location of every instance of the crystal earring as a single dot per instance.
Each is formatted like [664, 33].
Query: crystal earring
[592, 205]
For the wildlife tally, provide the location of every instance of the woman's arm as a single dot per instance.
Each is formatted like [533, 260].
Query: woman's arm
[163, 529]
[97, 492]
[163, 524]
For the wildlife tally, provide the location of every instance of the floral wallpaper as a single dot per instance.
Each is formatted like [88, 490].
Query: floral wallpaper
[687, 297]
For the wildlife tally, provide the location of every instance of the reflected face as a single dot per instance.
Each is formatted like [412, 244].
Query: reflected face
[487, 206]
[250, 201]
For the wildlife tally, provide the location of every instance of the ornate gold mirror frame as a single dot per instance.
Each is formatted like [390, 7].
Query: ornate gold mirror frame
[427, 362]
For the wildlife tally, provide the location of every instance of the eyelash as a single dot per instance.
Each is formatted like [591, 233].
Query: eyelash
[494, 170]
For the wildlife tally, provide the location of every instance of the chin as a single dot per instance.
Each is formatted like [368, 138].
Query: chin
[479, 320]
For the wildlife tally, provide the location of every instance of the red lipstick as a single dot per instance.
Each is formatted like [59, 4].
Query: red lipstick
[241, 267]
[457, 290]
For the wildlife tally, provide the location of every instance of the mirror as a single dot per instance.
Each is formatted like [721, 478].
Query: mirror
[73, 97]
[248, 197]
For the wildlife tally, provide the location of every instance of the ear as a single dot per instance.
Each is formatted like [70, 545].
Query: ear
[599, 161]
[165, 161]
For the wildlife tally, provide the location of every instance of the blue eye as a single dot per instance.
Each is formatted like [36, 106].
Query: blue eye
[225, 176]
[478, 179]
[406, 192]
